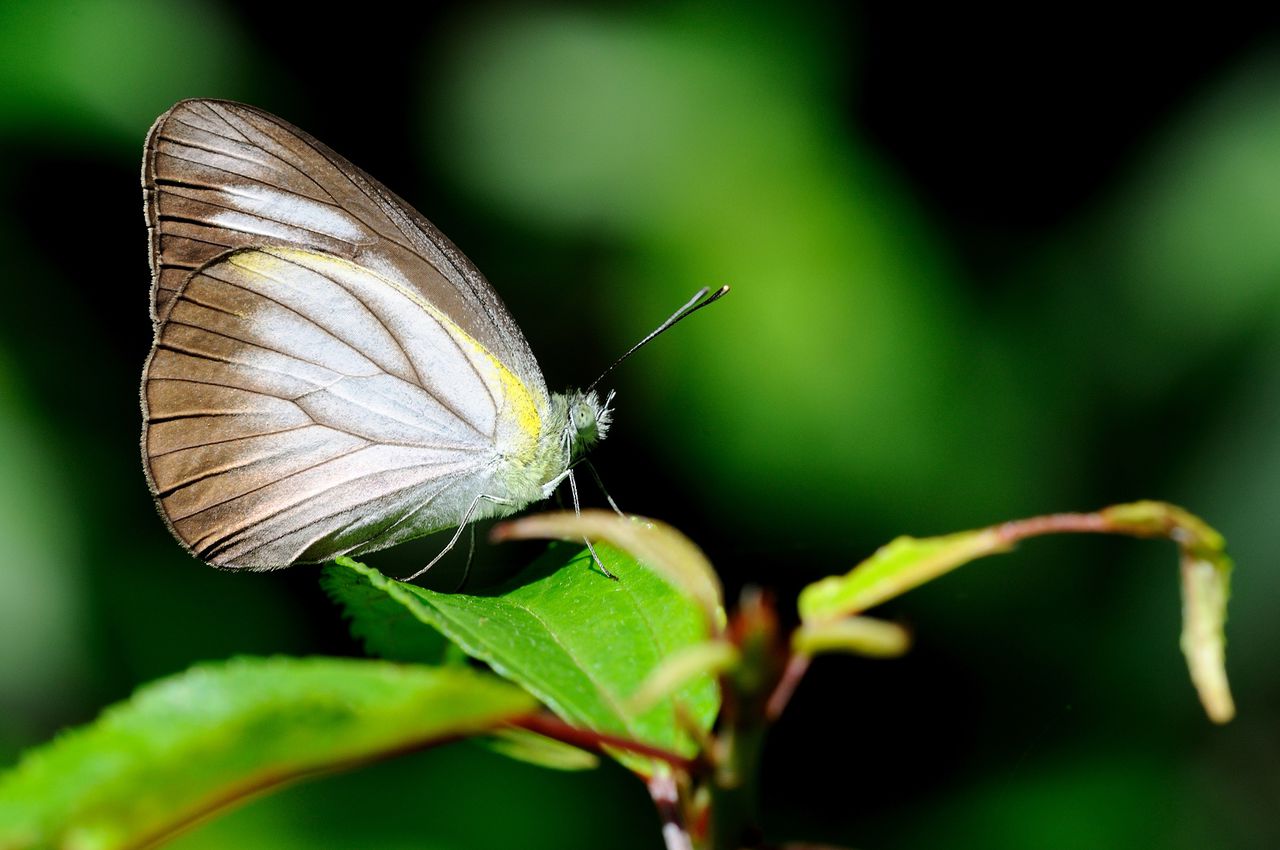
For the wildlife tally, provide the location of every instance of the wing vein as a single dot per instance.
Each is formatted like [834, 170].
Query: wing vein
[226, 470]
[287, 132]
[228, 439]
[232, 387]
[236, 175]
[237, 229]
[257, 345]
[381, 533]
[399, 343]
[224, 539]
[219, 116]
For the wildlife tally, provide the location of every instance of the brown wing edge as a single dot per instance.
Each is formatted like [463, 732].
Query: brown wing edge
[150, 211]
[146, 417]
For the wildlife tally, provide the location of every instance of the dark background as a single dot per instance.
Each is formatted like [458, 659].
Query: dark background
[984, 266]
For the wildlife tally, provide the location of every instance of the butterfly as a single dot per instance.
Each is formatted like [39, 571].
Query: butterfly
[330, 375]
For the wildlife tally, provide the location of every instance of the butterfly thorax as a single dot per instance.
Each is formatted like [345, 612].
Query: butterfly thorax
[572, 423]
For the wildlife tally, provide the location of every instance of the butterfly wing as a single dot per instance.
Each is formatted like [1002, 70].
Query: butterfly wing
[298, 406]
[330, 374]
[219, 175]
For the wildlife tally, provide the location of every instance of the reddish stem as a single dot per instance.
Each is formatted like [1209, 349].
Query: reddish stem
[596, 742]
[797, 666]
[1021, 529]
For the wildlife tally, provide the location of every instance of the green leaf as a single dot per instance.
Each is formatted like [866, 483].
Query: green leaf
[530, 747]
[188, 745]
[382, 621]
[902, 565]
[578, 641]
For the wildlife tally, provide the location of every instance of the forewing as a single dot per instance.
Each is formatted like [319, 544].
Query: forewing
[219, 175]
[298, 406]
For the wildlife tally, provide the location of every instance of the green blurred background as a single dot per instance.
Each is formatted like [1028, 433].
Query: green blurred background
[983, 267]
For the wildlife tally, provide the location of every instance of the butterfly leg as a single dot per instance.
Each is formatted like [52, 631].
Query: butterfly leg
[471, 554]
[466, 519]
[577, 509]
[591, 467]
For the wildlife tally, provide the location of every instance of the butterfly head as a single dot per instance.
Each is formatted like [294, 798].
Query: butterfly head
[586, 422]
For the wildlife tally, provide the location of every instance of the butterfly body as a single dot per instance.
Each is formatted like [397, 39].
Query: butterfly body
[330, 375]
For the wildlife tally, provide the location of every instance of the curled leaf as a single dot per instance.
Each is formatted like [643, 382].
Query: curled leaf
[1205, 588]
[857, 635]
[682, 667]
[655, 543]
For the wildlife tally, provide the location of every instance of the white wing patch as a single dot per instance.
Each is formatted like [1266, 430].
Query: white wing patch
[265, 202]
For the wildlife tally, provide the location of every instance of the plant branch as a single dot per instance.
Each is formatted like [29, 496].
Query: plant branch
[797, 666]
[908, 562]
[597, 742]
[666, 797]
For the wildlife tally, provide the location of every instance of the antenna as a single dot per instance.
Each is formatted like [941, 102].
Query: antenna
[699, 300]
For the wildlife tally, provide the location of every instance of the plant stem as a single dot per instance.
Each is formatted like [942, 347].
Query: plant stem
[797, 666]
[1021, 529]
[666, 797]
[735, 789]
[596, 742]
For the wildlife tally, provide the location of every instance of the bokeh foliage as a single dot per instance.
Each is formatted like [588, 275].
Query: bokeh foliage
[960, 296]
